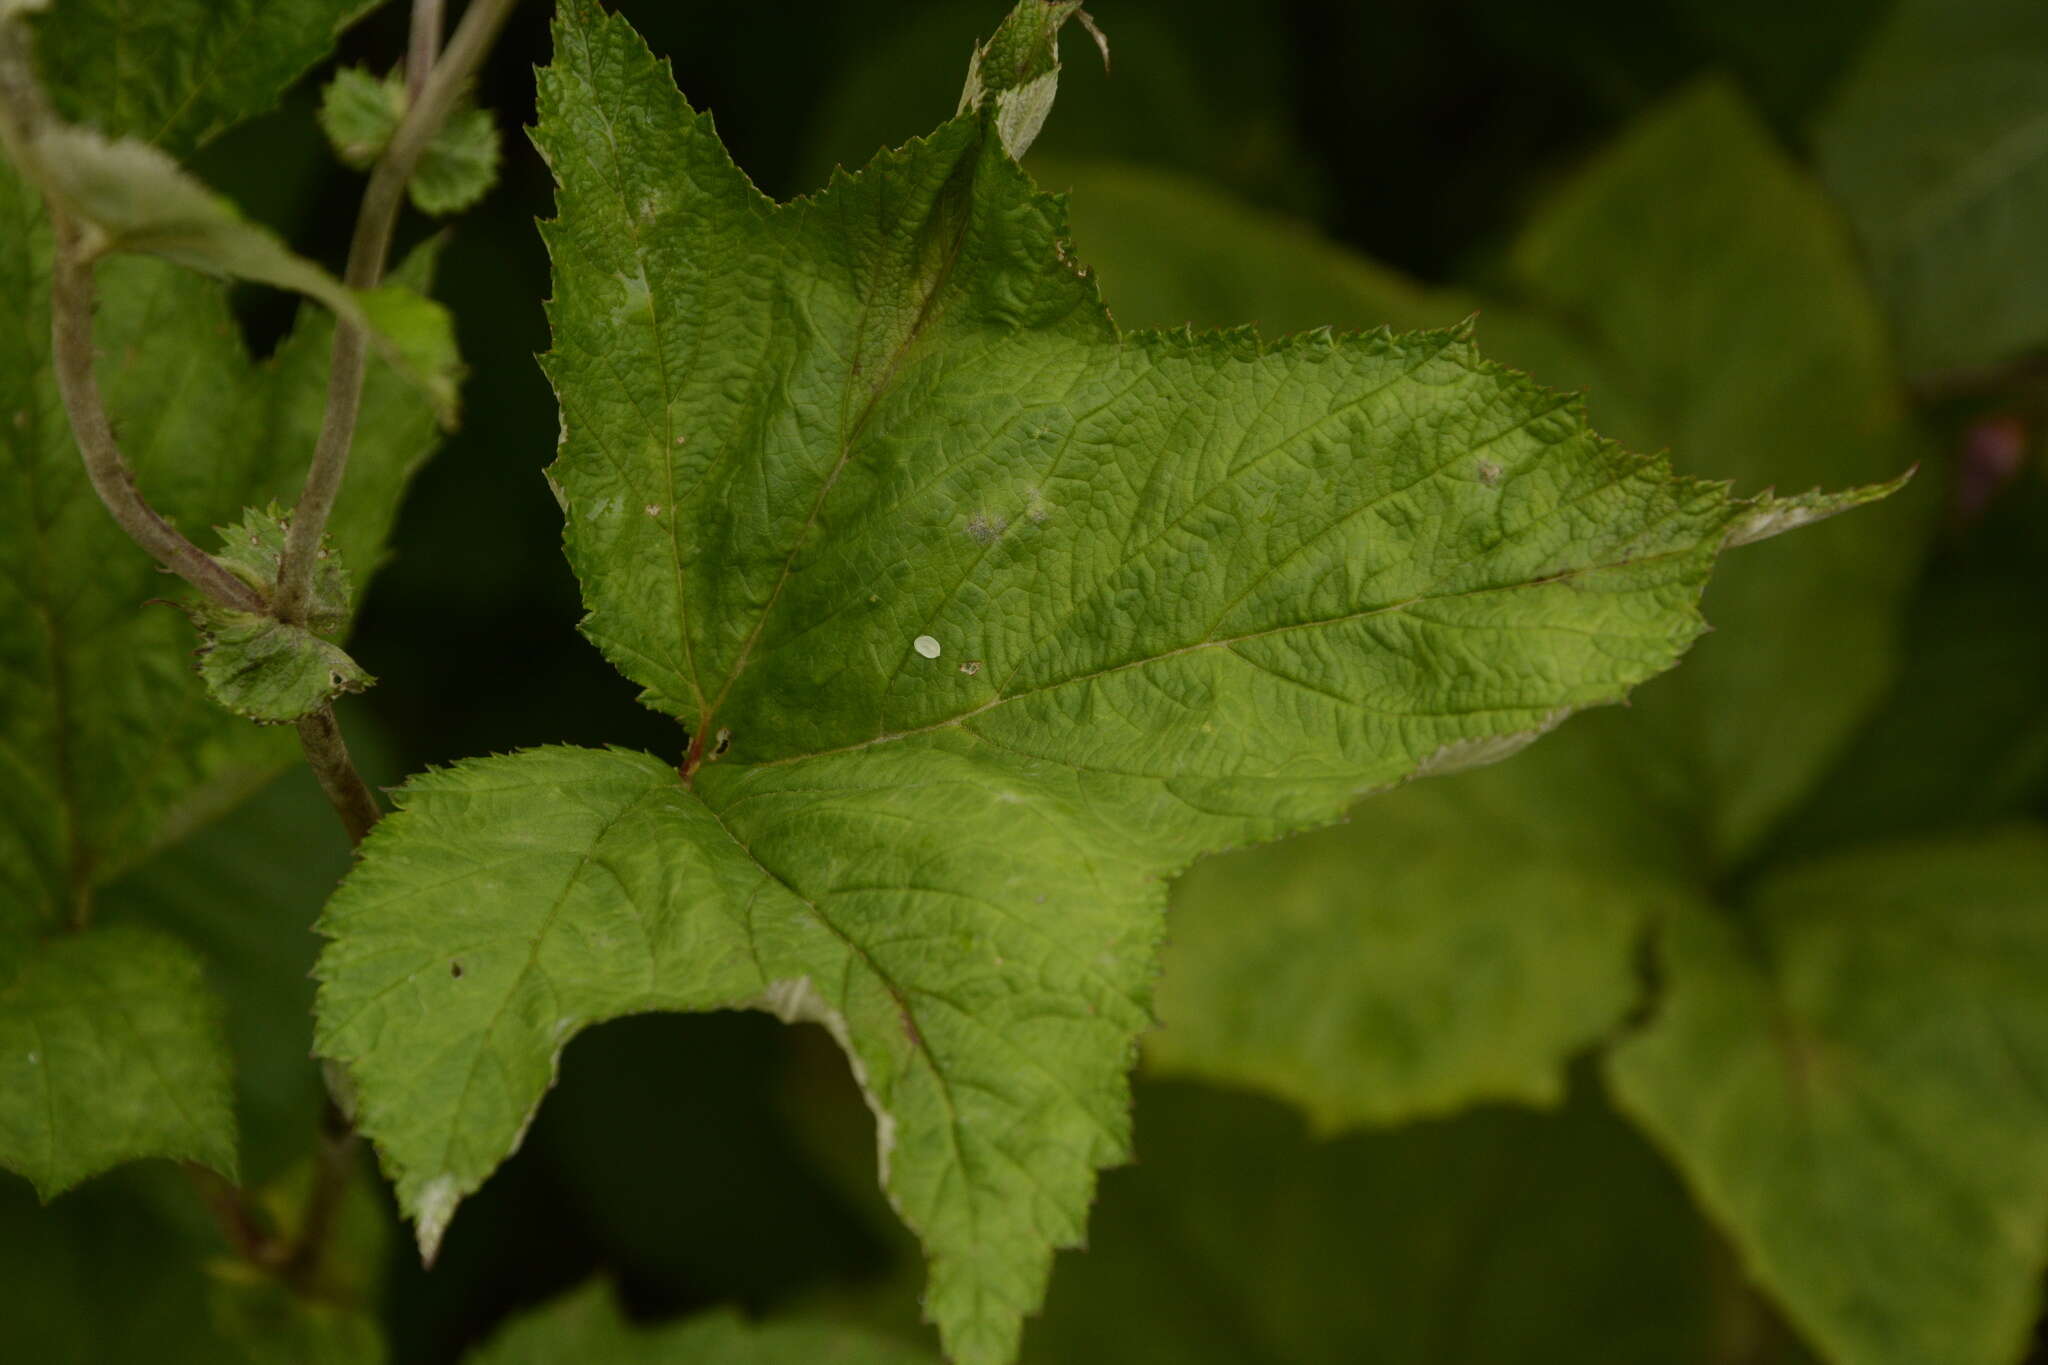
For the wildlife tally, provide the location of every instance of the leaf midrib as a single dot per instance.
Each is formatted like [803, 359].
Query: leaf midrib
[1228, 642]
[926, 314]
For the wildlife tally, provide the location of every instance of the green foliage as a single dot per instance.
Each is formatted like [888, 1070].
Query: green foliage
[188, 69]
[984, 618]
[112, 747]
[126, 195]
[1530, 883]
[1239, 1238]
[1847, 1067]
[1934, 145]
[112, 744]
[110, 1049]
[257, 666]
[243, 893]
[360, 113]
[587, 1325]
[1016, 73]
[1821, 1035]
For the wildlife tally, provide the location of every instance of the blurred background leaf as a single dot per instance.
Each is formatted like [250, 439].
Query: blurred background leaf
[1935, 144]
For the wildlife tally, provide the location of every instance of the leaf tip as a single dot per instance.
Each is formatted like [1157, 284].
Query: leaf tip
[1766, 515]
[433, 1211]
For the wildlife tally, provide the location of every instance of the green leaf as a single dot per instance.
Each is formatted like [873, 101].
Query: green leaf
[588, 1325]
[1934, 146]
[1742, 334]
[1738, 332]
[112, 746]
[126, 195]
[176, 73]
[1498, 1238]
[360, 113]
[1369, 986]
[258, 667]
[985, 619]
[1016, 73]
[129, 197]
[1503, 940]
[1853, 1075]
[269, 672]
[1455, 942]
[253, 550]
[110, 1050]
[459, 166]
[244, 892]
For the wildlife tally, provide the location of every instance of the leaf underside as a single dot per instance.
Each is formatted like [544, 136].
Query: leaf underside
[984, 619]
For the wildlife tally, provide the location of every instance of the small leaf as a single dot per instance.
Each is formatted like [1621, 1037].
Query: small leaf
[269, 672]
[1016, 73]
[111, 1050]
[1852, 1072]
[588, 1325]
[253, 550]
[361, 112]
[257, 666]
[459, 166]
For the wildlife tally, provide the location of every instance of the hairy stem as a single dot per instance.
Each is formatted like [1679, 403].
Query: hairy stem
[424, 49]
[327, 756]
[382, 201]
[71, 309]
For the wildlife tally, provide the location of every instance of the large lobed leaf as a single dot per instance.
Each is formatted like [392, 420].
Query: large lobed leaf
[984, 618]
